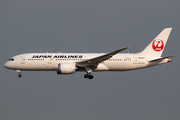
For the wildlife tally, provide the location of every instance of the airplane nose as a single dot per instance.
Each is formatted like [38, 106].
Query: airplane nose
[6, 65]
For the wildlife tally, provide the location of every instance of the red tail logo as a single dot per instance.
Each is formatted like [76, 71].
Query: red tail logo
[158, 45]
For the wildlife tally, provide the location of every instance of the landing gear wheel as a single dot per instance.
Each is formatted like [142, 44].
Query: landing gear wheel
[86, 76]
[91, 76]
[19, 75]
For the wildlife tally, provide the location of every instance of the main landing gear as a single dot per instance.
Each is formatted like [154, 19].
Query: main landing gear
[88, 71]
[19, 75]
[88, 76]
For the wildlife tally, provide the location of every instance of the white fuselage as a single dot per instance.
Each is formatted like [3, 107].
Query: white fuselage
[69, 63]
[50, 61]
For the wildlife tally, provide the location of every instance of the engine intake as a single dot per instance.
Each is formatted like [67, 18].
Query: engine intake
[66, 68]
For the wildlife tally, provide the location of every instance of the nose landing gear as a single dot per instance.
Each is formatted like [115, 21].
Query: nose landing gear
[19, 75]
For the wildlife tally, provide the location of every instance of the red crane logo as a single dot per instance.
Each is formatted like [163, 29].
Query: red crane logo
[158, 45]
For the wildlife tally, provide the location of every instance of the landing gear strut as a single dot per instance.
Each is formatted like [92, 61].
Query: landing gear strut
[19, 75]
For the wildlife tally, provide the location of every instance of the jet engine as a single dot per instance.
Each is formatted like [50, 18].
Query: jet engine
[66, 68]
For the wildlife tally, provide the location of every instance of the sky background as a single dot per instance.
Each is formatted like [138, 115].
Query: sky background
[89, 26]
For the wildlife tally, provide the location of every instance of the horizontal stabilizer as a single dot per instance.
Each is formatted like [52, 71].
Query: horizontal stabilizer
[169, 60]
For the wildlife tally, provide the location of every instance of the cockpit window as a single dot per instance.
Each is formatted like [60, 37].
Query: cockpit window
[11, 59]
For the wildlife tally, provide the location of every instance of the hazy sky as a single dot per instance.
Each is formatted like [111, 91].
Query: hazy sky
[89, 26]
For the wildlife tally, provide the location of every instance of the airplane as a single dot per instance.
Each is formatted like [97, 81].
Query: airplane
[69, 63]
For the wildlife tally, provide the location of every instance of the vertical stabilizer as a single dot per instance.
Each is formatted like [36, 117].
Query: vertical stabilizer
[156, 47]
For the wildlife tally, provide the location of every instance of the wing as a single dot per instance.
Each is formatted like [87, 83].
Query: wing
[97, 60]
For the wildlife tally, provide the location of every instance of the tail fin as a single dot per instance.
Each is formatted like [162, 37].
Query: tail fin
[156, 47]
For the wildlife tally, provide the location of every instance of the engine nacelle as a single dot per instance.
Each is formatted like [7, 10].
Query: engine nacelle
[66, 68]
